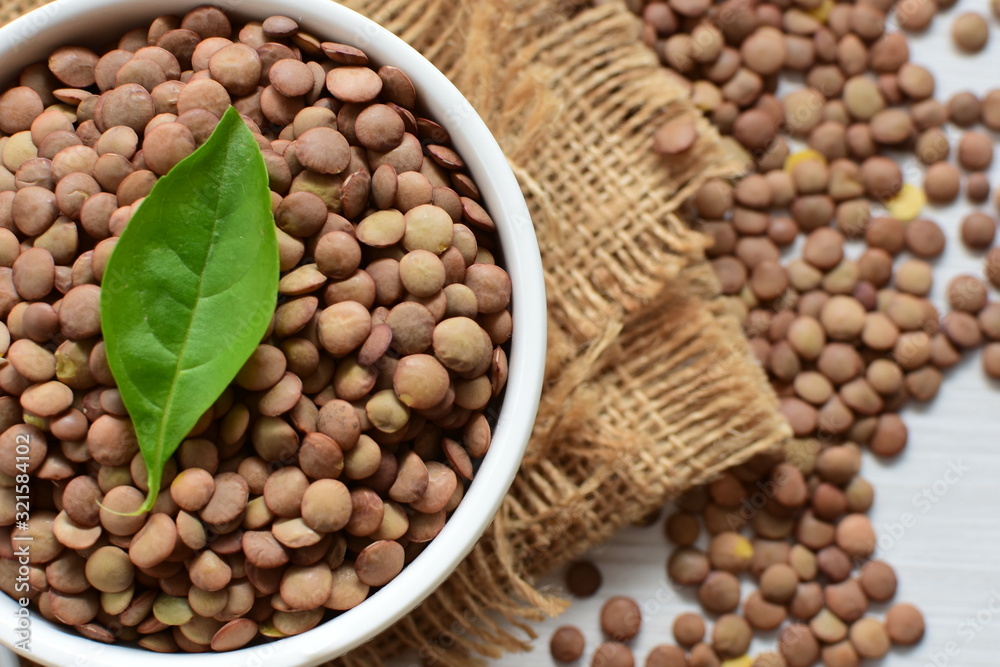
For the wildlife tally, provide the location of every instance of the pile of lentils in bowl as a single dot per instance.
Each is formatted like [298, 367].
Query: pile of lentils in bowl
[827, 255]
[349, 436]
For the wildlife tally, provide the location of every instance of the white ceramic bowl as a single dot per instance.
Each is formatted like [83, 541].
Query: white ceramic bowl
[7, 659]
[32, 37]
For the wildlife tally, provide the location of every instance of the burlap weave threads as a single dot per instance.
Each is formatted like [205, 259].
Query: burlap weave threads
[650, 387]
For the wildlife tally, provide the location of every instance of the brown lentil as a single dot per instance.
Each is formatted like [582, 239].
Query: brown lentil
[970, 32]
[924, 238]
[567, 644]
[978, 230]
[613, 654]
[904, 624]
[583, 579]
[798, 646]
[621, 618]
[719, 593]
[688, 629]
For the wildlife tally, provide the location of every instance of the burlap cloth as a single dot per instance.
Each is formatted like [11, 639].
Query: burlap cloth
[649, 384]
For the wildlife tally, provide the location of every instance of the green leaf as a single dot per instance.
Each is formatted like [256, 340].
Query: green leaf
[190, 289]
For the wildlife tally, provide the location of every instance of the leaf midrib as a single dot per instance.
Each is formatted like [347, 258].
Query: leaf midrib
[168, 404]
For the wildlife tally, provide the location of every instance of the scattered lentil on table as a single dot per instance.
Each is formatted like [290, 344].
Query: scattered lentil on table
[847, 340]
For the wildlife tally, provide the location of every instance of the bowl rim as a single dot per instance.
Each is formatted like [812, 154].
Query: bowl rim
[31, 37]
